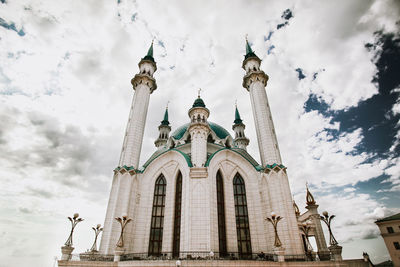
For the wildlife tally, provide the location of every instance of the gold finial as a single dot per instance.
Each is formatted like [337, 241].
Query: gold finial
[152, 40]
[167, 103]
[198, 94]
[246, 37]
[309, 197]
[235, 103]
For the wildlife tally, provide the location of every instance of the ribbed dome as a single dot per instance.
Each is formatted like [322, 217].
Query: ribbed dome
[199, 103]
[220, 131]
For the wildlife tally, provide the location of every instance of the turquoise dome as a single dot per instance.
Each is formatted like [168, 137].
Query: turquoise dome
[220, 131]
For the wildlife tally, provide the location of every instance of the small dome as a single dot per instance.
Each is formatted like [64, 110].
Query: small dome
[220, 131]
[199, 103]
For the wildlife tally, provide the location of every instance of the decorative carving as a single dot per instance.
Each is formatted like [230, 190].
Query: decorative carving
[274, 221]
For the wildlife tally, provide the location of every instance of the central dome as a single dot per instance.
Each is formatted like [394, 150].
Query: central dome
[220, 131]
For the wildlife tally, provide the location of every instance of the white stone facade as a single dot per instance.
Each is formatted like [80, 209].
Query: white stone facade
[199, 150]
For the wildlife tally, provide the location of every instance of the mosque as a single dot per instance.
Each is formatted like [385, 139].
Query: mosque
[201, 195]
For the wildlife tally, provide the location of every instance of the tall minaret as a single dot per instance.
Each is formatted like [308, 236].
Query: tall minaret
[164, 130]
[124, 187]
[240, 141]
[280, 200]
[199, 131]
[255, 81]
[143, 84]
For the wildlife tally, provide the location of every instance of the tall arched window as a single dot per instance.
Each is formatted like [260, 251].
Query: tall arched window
[242, 218]
[221, 215]
[157, 217]
[177, 221]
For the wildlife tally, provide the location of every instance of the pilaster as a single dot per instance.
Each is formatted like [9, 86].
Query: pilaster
[323, 251]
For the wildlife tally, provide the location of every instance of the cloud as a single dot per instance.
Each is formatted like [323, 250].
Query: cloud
[65, 94]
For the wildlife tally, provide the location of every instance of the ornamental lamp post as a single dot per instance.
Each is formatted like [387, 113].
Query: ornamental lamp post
[67, 249]
[334, 248]
[123, 222]
[74, 221]
[327, 219]
[97, 231]
[274, 221]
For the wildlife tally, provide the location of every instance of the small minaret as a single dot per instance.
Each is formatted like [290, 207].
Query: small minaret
[240, 141]
[199, 131]
[144, 84]
[255, 81]
[164, 130]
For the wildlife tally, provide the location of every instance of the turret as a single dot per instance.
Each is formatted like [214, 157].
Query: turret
[199, 131]
[255, 81]
[240, 141]
[164, 130]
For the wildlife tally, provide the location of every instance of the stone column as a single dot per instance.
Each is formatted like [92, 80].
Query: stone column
[255, 83]
[132, 146]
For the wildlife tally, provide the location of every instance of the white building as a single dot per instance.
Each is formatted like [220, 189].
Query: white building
[201, 193]
[200, 190]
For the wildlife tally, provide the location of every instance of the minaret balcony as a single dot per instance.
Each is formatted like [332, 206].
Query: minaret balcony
[144, 79]
[255, 76]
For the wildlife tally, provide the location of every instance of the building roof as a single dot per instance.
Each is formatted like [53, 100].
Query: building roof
[220, 131]
[199, 103]
[237, 120]
[390, 218]
[239, 151]
[249, 52]
[149, 55]
[165, 120]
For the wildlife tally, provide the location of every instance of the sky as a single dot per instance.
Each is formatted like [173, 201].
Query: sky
[65, 95]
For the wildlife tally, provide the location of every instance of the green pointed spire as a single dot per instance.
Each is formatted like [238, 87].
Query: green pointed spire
[165, 120]
[150, 52]
[149, 55]
[248, 47]
[237, 120]
[249, 51]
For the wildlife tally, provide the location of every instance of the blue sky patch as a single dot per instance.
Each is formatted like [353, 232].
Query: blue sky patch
[270, 48]
[374, 115]
[301, 75]
[11, 26]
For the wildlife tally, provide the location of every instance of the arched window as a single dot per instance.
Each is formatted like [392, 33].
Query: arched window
[157, 217]
[242, 218]
[221, 216]
[177, 221]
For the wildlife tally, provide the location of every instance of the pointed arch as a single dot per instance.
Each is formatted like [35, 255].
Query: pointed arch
[221, 215]
[242, 218]
[177, 216]
[157, 216]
